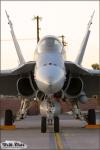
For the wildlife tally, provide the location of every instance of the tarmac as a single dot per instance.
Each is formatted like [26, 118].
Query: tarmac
[72, 135]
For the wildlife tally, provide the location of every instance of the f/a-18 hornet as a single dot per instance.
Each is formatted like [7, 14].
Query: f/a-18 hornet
[50, 79]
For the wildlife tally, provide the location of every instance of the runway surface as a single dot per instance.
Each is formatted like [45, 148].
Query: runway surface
[72, 135]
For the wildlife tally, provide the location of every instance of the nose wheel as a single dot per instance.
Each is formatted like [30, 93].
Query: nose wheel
[49, 110]
[56, 124]
[43, 124]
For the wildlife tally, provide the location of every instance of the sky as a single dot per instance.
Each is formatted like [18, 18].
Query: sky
[69, 18]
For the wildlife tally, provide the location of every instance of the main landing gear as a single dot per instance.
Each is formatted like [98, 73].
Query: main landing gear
[9, 118]
[90, 117]
[76, 110]
[25, 105]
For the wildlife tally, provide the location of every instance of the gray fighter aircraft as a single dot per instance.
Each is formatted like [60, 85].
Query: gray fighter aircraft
[50, 78]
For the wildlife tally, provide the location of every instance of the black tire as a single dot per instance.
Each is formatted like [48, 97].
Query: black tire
[91, 117]
[9, 119]
[43, 125]
[56, 124]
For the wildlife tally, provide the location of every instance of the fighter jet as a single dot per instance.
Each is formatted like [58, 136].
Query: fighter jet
[50, 79]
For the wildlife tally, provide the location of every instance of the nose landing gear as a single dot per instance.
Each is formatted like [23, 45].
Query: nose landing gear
[44, 124]
[50, 109]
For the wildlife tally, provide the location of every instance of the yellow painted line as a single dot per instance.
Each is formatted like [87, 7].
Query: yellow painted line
[7, 127]
[93, 126]
[59, 143]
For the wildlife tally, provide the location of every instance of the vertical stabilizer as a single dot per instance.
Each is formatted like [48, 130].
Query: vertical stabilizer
[18, 50]
[84, 43]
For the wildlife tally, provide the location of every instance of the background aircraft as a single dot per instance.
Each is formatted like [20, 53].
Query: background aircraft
[50, 78]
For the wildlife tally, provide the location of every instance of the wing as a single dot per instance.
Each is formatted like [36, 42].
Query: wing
[8, 79]
[90, 78]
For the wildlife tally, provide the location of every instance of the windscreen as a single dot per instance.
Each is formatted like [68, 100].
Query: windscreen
[49, 44]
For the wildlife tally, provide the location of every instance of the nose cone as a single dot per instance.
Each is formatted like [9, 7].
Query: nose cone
[50, 79]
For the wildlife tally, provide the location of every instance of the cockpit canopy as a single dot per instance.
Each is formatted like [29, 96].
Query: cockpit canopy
[49, 44]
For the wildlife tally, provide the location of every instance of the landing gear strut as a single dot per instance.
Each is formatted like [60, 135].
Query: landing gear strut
[76, 110]
[25, 105]
[50, 121]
